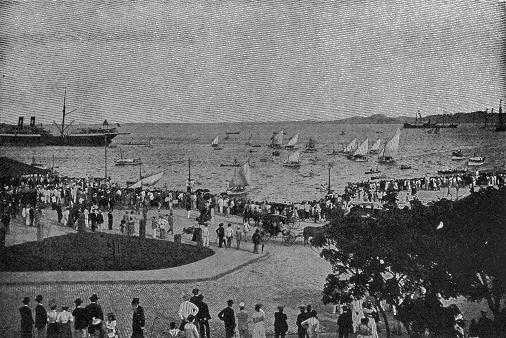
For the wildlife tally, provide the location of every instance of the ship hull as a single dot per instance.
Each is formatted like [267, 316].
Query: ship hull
[429, 126]
[72, 140]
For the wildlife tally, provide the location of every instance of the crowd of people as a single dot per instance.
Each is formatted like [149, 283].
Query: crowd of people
[193, 313]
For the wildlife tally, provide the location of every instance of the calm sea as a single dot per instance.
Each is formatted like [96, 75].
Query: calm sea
[174, 144]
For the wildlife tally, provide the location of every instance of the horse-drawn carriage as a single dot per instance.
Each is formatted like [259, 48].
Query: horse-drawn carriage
[273, 226]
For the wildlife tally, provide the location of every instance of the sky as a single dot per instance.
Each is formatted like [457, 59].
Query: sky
[242, 60]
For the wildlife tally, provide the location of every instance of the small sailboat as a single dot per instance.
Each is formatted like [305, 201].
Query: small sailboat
[389, 150]
[457, 155]
[150, 143]
[360, 154]
[127, 161]
[293, 160]
[277, 140]
[311, 146]
[241, 179]
[215, 144]
[147, 181]
[293, 141]
[350, 148]
[475, 161]
[248, 143]
[375, 147]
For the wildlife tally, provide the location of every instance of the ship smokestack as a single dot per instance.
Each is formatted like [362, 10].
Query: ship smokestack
[20, 122]
[32, 122]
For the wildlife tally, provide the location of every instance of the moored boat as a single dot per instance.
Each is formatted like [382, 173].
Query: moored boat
[457, 155]
[373, 171]
[127, 161]
[405, 166]
[419, 124]
[215, 144]
[476, 160]
[311, 146]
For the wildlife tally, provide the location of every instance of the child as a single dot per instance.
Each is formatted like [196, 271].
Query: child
[190, 329]
[363, 329]
[174, 331]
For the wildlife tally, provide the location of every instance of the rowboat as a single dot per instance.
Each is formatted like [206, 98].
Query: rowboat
[476, 160]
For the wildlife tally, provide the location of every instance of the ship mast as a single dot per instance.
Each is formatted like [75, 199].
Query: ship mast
[63, 119]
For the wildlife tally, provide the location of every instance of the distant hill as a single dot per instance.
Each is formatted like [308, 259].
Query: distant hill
[479, 117]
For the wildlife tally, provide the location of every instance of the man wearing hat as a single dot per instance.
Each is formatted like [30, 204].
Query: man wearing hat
[94, 311]
[195, 295]
[227, 315]
[301, 330]
[26, 319]
[80, 319]
[203, 317]
[40, 317]
[138, 319]
[185, 309]
[280, 324]
[220, 232]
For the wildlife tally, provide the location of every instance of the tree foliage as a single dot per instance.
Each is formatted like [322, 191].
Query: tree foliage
[399, 251]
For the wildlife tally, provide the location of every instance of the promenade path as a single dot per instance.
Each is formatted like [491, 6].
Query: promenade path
[287, 275]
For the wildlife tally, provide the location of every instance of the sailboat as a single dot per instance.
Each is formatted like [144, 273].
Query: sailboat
[127, 161]
[293, 160]
[215, 144]
[241, 179]
[311, 146]
[248, 143]
[350, 148]
[277, 140]
[375, 147]
[293, 141]
[147, 181]
[360, 154]
[389, 150]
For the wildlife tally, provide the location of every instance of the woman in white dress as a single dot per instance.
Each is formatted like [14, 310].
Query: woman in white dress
[258, 322]
[312, 325]
[369, 312]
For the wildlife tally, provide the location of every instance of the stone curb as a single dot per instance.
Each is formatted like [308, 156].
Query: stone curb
[146, 281]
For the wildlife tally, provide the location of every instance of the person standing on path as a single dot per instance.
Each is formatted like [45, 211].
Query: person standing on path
[154, 226]
[229, 234]
[257, 239]
[258, 322]
[345, 323]
[238, 237]
[138, 319]
[53, 327]
[40, 318]
[100, 220]
[80, 319]
[205, 235]
[220, 232]
[65, 319]
[185, 309]
[280, 324]
[203, 317]
[38, 214]
[170, 220]
[242, 321]
[93, 310]
[301, 331]
[227, 316]
[110, 219]
[26, 319]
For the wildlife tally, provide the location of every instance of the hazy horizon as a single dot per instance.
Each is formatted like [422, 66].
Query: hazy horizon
[240, 61]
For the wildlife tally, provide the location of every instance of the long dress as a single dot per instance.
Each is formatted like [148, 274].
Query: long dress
[372, 323]
[258, 324]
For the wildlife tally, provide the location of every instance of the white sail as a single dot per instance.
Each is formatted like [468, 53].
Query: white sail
[242, 176]
[311, 143]
[391, 147]
[351, 146]
[362, 149]
[293, 158]
[277, 140]
[147, 181]
[376, 146]
[293, 141]
[215, 142]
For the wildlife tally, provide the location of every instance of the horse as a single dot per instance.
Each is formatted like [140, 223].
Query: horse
[311, 231]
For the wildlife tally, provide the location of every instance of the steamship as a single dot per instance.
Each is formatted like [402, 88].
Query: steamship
[33, 135]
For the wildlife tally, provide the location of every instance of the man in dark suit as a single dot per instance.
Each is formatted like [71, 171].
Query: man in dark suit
[26, 319]
[203, 317]
[138, 319]
[94, 311]
[301, 330]
[81, 319]
[40, 317]
[227, 315]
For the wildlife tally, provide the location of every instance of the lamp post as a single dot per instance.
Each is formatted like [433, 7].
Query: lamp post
[330, 166]
[105, 125]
